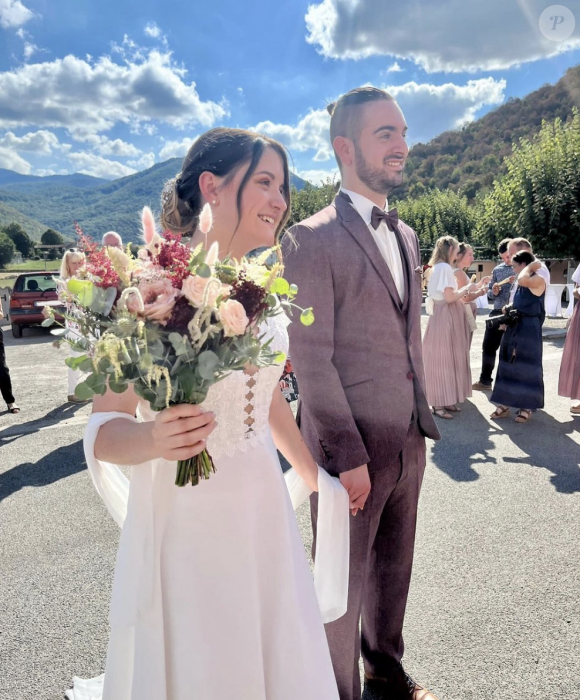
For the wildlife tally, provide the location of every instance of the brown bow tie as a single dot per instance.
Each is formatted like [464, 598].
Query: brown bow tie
[390, 217]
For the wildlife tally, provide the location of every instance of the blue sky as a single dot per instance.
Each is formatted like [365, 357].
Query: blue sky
[109, 88]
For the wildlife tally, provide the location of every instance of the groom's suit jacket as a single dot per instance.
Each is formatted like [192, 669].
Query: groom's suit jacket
[359, 366]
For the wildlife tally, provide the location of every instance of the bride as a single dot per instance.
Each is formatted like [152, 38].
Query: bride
[213, 597]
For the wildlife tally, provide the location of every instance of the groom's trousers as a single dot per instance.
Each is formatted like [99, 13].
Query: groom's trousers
[382, 539]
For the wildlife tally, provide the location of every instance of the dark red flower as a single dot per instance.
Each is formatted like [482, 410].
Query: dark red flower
[250, 295]
[180, 317]
[174, 256]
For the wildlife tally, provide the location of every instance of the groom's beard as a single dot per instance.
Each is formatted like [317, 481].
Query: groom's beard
[375, 179]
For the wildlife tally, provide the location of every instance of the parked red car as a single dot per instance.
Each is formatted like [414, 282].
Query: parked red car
[31, 289]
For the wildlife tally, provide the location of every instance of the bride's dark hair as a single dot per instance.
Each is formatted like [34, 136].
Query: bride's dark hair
[221, 151]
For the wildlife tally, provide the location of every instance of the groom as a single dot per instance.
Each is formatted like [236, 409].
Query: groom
[363, 411]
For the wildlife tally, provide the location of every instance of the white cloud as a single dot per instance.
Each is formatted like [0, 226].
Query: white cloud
[310, 132]
[97, 166]
[448, 35]
[431, 109]
[44, 172]
[152, 30]
[176, 149]
[316, 177]
[14, 14]
[10, 160]
[42, 142]
[395, 68]
[30, 48]
[107, 147]
[87, 98]
[147, 160]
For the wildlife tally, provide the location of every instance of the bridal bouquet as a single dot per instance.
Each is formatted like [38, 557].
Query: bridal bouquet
[171, 321]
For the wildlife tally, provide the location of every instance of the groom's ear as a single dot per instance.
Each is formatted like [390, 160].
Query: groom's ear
[344, 149]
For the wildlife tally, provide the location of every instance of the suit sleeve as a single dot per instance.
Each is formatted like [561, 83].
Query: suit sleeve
[312, 350]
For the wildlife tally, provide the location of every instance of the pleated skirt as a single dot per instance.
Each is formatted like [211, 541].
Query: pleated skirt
[446, 355]
[569, 383]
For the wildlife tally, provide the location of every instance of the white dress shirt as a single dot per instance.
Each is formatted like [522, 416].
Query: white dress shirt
[543, 272]
[384, 238]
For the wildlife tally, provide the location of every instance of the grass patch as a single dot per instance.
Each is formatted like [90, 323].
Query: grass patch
[33, 266]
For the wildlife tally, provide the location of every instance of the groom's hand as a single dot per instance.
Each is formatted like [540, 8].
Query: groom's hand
[358, 486]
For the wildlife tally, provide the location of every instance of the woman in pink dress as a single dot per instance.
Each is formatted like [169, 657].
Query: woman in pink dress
[569, 384]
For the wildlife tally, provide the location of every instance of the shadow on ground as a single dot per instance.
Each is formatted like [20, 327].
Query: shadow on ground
[53, 467]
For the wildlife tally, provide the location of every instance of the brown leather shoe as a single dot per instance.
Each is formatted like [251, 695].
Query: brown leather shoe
[478, 386]
[418, 692]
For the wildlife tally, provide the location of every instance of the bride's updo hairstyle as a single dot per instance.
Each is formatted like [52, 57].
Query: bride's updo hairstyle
[223, 152]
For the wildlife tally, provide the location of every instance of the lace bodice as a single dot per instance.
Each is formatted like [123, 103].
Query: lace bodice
[242, 401]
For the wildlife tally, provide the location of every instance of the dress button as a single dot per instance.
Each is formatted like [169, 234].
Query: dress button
[410, 376]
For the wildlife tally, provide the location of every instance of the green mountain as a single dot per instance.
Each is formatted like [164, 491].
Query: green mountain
[112, 205]
[471, 158]
[23, 183]
[9, 214]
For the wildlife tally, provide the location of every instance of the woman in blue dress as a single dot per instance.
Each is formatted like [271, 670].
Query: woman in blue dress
[520, 379]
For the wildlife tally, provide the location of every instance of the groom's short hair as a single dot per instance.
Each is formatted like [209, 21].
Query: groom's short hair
[345, 113]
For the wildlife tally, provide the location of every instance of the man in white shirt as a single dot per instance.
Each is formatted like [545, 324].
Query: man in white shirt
[514, 247]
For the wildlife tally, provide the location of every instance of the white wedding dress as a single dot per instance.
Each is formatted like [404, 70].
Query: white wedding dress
[213, 598]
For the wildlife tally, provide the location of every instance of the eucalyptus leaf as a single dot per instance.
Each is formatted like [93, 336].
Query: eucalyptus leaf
[280, 286]
[84, 391]
[206, 364]
[47, 322]
[59, 331]
[118, 386]
[203, 271]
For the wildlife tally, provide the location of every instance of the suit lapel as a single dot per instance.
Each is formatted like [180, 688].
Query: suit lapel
[356, 227]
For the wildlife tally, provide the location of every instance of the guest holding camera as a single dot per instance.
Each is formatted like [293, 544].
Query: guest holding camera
[464, 261]
[569, 384]
[502, 278]
[520, 381]
[447, 338]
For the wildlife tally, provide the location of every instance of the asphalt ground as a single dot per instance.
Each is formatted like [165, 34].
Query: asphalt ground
[493, 610]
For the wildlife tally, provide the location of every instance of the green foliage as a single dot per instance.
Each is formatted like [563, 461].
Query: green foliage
[20, 238]
[10, 214]
[311, 199]
[539, 197]
[437, 214]
[51, 237]
[7, 250]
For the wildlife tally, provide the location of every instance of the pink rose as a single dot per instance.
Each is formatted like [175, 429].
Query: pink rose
[233, 317]
[193, 288]
[159, 297]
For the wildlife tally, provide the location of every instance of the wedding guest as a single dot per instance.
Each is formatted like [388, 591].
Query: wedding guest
[520, 381]
[362, 408]
[569, 383]
[72, 261]
[500, 294]
[111, 239]
[5, 381]
[447, 338]
[464, 261]
[515, 246]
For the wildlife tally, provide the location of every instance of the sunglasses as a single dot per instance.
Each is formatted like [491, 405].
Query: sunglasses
[73, 250]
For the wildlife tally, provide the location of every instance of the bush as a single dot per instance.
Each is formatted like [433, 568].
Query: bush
[7, 250]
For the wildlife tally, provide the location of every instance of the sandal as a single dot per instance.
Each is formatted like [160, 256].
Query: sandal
[442, 413]
[500, 412]
[453, 409]
[575, 410]
[13, 408]
[523, 416]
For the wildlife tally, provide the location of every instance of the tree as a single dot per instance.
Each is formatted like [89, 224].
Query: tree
[438, 213]
[51, 237]
[310, 199]
[7, 250]
[539, 197]
[20, 238]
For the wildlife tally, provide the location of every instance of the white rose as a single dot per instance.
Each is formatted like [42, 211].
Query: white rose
[233, 317]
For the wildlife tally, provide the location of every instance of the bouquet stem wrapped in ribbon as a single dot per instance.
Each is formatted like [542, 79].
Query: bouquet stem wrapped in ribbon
[172, 321]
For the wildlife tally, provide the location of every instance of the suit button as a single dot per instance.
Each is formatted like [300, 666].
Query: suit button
[410, 376]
